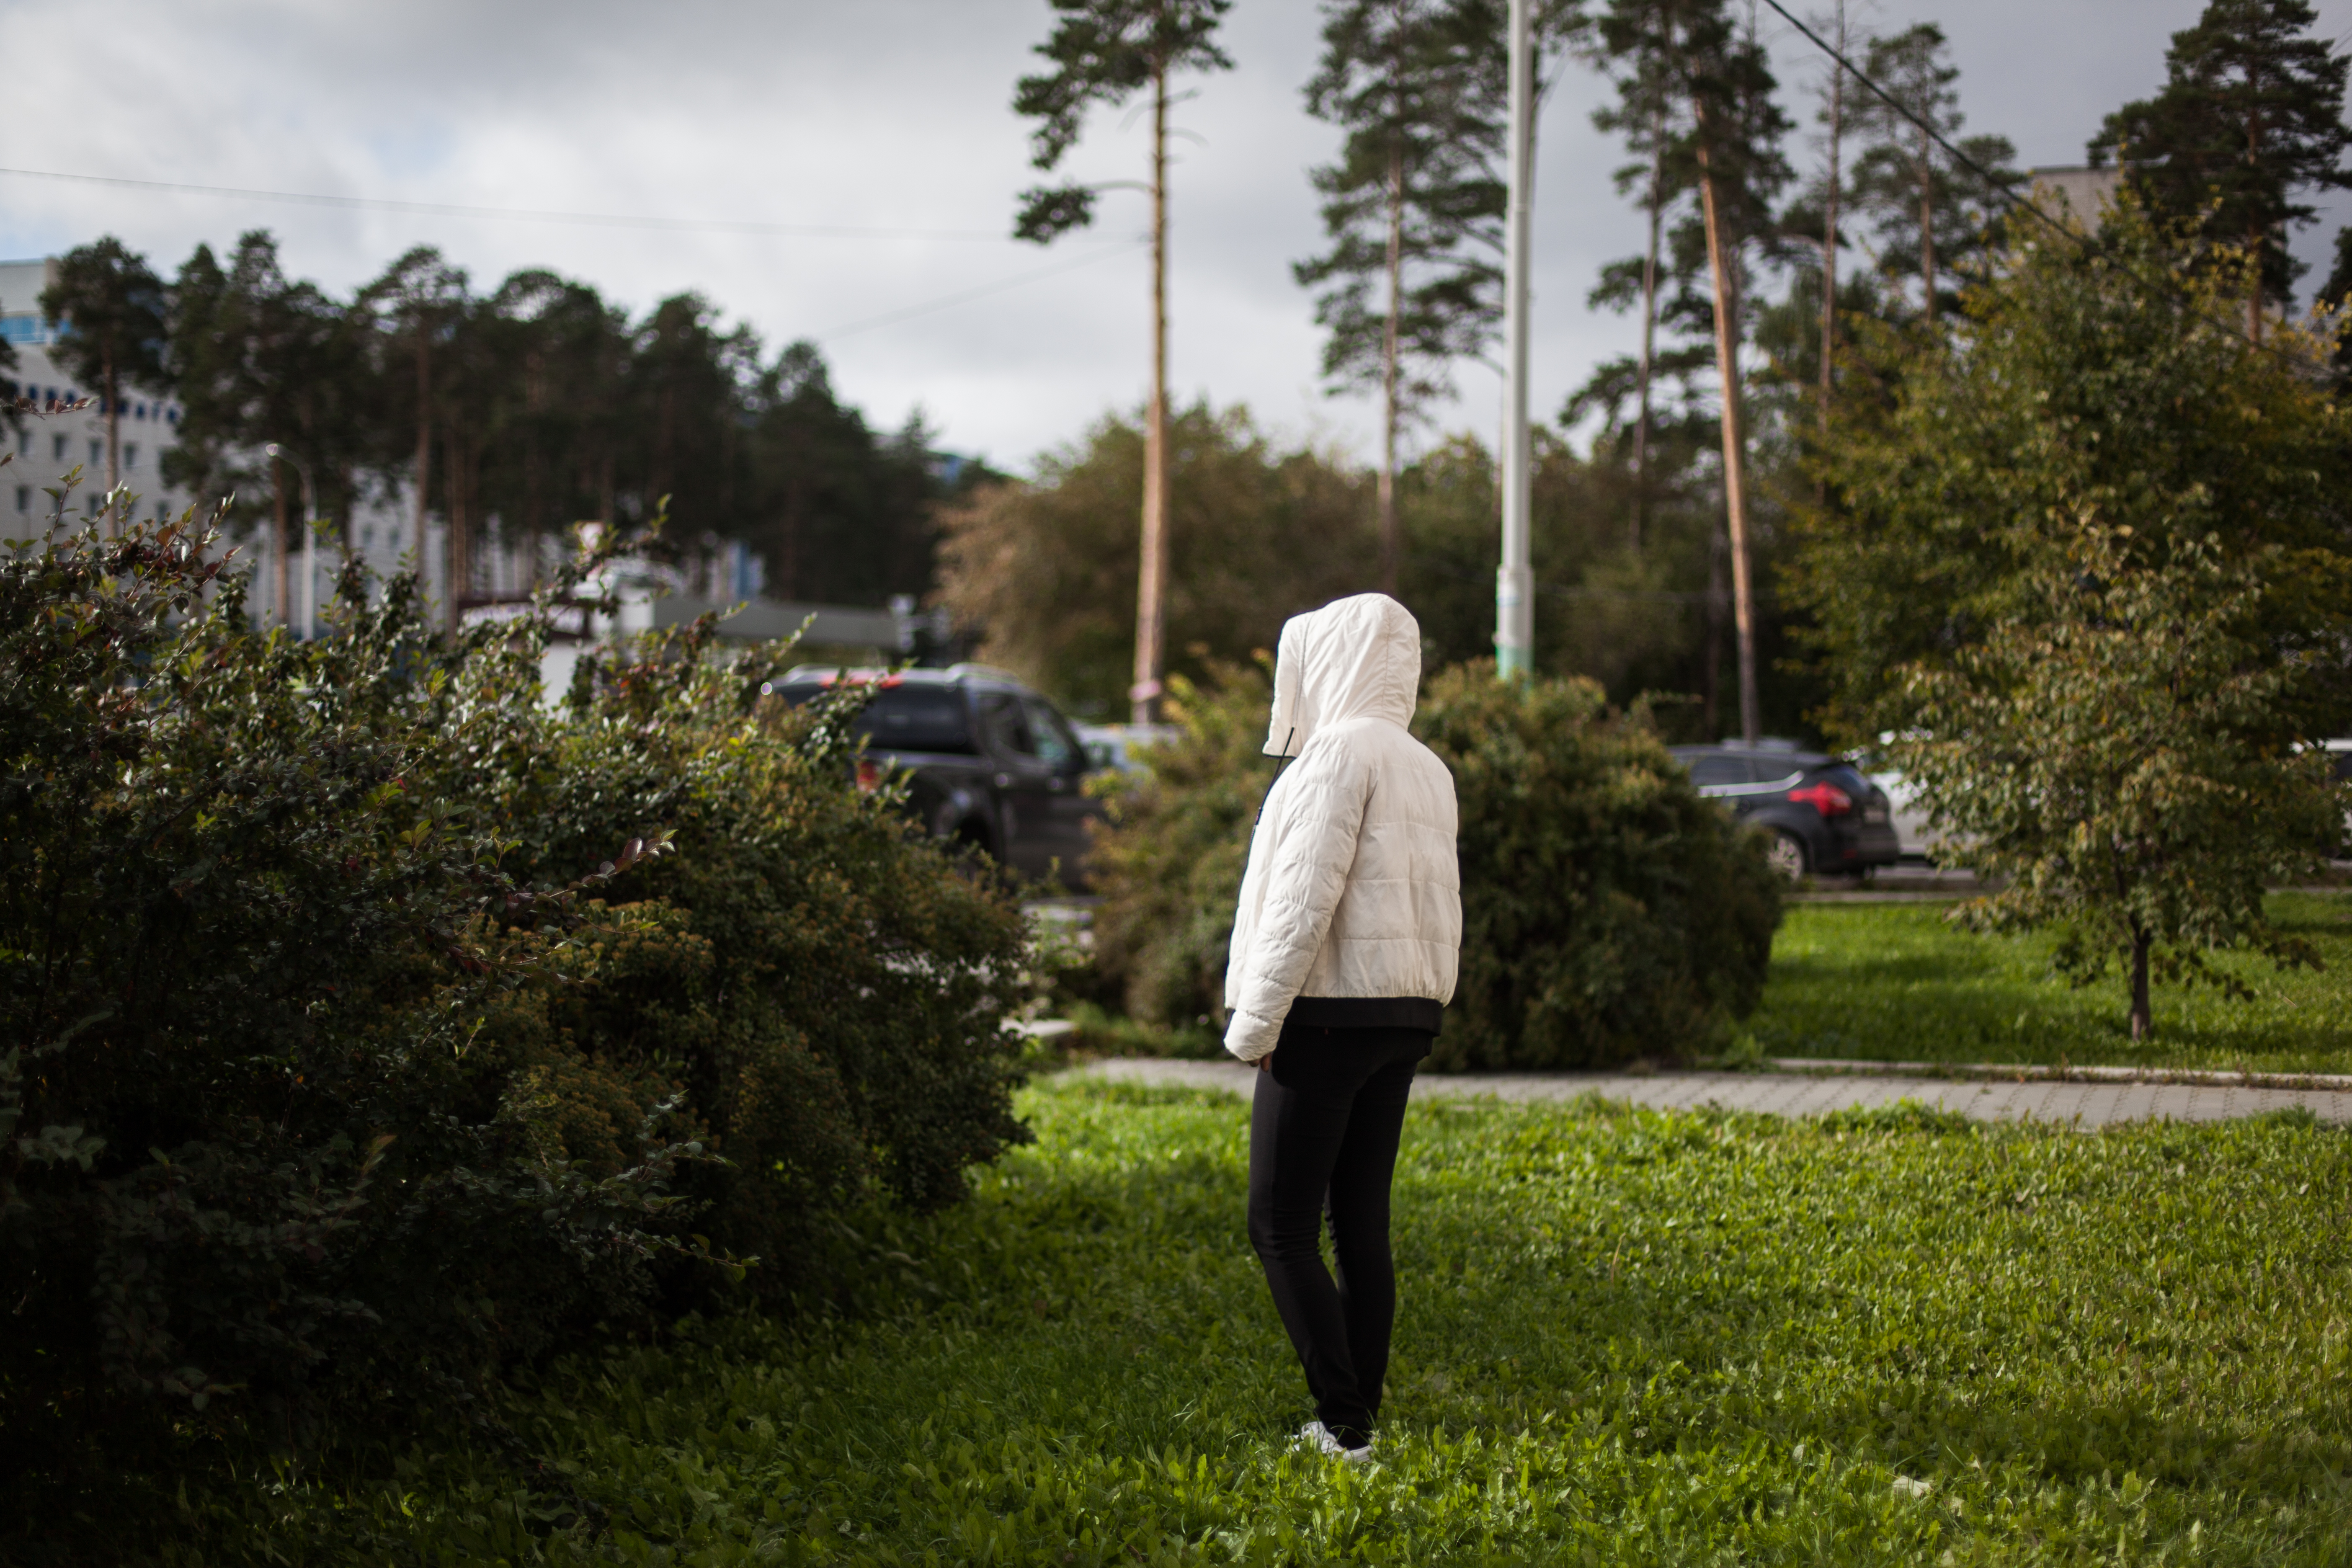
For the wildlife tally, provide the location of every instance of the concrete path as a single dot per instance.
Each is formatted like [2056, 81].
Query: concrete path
[1811, 1094]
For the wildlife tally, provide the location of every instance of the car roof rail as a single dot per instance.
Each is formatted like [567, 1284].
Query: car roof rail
[860, 675]
[969, 671]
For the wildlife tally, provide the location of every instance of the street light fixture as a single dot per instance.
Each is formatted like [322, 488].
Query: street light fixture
[309, 539]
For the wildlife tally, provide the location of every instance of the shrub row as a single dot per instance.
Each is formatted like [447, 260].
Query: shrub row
[373, 1027]
[1609, 911]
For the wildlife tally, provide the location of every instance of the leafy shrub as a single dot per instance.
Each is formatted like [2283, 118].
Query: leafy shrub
[826, 990]
[1167, 862]
[332, 1089]
[1609, 911]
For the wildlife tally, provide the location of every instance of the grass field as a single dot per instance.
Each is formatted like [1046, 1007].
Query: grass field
[1626, 1337]
[1896, 983]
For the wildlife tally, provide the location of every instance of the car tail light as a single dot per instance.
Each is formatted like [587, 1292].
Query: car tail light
[869, 774]
[1825, 798]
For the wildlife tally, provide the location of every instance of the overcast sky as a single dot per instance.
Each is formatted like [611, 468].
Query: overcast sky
[878, 114]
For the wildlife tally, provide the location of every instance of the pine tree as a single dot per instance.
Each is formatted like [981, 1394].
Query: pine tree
[257, 358]
[2250, 114]
[1933, 213]
[1412, 201]
[1651, 113]
[1696, 104]
[416, 303]
[1104, 52]
[112, 308]
[1737, 134]
[1834, 126]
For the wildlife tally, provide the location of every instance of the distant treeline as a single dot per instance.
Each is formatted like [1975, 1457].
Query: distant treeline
[529, 406]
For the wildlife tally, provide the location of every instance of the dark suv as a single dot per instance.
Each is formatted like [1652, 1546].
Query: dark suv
[989, 761]
[1823, 815]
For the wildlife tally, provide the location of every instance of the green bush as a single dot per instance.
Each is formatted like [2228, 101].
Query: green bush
[1609, 911]
[1167, 862]
[332, 1090]
[826, 990]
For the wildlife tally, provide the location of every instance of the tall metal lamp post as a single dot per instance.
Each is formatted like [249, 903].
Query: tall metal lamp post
[310, 538]
[1514, 581]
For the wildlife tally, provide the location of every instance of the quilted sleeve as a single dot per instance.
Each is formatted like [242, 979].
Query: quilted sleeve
[1312, 850]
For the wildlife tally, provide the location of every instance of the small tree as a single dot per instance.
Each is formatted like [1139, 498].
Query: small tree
[2090, 566]
[112, 308]
[1260, 534]
[1413, 200]
[1104, 52]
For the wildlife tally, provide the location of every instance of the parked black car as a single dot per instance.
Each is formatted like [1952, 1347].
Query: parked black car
[1822, 815]
[990, 762]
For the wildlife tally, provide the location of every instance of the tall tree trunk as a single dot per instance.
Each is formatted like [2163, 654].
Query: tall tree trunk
[280, 545]
[1829, 222]
[1392, 536]
[458, 542]
[424, 435]
[1649, 333]
[534, 484]
[2142, 1020]
[1711, 674]
[2255, 235]
[1152, 579]
[113, 434]
[1927, 225]
[1735, 465]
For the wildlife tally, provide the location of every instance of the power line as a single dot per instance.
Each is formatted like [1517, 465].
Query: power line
[2008, 188]
[2004, 186]
[524, 215]
[957, 299]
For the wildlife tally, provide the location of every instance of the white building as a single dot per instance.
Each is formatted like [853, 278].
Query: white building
[44, 449]
[2079, 189]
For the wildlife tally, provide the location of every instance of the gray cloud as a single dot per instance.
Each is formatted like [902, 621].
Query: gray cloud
[891, 113]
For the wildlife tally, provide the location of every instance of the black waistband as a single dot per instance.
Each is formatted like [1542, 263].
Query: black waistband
[1367, 1013]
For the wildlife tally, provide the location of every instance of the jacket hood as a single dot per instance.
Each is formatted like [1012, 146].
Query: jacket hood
[1357, 657]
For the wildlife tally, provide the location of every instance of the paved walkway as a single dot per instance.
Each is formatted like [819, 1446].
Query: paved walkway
[1811, 1094]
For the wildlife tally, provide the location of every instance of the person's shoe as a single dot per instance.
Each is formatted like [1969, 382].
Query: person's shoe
[1317, 1435]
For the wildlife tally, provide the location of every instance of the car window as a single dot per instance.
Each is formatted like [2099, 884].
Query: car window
[1055, 746]
[904, 717]
[1713, 769]
[1006, 724]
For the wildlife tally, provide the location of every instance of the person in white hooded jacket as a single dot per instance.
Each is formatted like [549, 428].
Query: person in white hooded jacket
[1344, 948]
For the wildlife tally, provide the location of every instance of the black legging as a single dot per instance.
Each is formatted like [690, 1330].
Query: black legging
[1323, 1143]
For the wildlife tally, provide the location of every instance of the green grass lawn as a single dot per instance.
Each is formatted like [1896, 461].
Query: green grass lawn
[1625, 1337]
[1896, 983]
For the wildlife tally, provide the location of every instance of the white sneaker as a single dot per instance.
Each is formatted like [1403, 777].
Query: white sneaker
[1317, 1435]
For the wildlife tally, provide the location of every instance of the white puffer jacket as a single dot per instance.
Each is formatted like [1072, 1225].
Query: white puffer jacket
[1352, 887]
